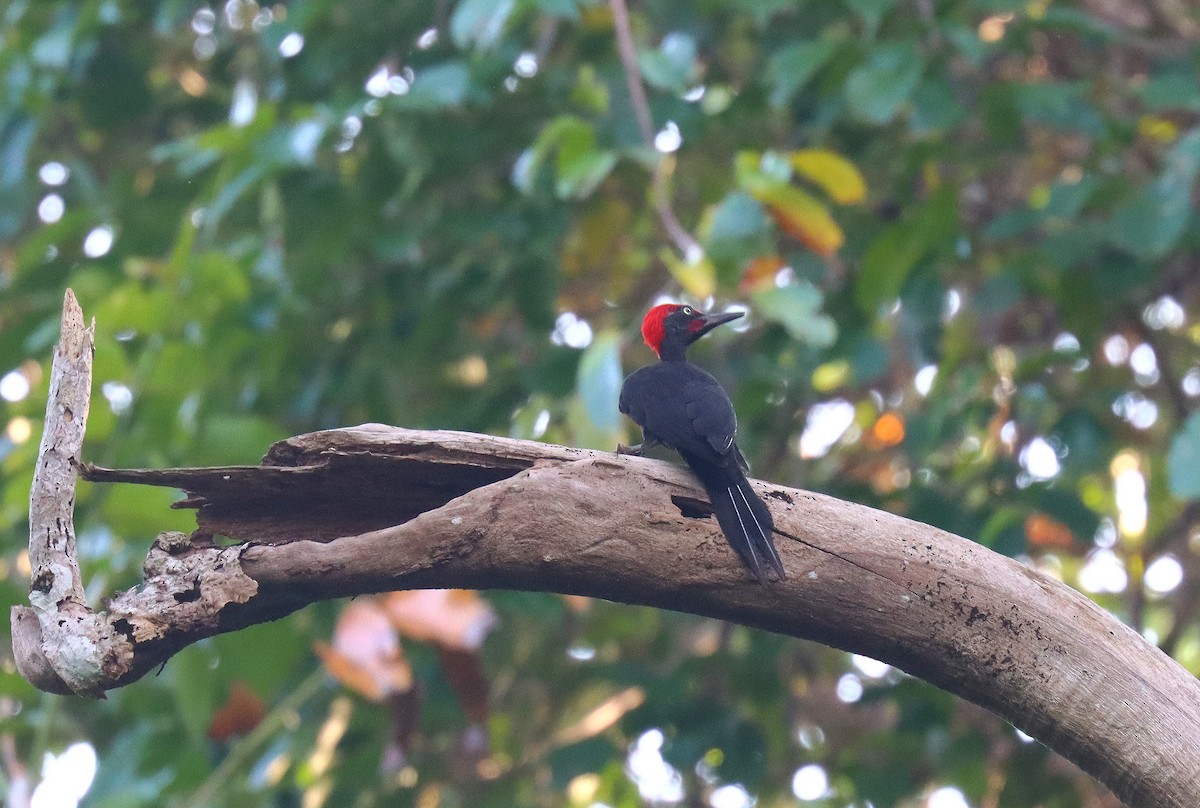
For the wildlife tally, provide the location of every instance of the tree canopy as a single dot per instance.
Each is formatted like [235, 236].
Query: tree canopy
[964, 231]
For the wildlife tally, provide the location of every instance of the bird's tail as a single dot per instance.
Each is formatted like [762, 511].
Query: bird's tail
[744, 519]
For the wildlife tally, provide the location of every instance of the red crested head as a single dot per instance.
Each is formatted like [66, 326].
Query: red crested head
[670, 327]
[654, 327]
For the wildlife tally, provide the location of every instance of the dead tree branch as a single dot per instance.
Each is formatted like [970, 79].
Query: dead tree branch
[375, 508]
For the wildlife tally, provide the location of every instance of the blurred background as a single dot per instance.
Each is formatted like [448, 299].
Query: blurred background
[964, 230]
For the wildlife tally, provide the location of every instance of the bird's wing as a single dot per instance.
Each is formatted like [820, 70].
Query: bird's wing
[651, 399]
[710, 413]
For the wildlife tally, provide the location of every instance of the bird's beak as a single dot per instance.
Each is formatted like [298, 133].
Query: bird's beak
[711, 321]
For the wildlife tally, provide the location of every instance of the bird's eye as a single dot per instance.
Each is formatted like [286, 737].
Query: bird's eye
[689, 311]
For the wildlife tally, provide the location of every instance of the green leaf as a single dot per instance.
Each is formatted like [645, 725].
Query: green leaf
[966, 41]
[1078, 21]
[876, 90]
[1067, 199]
[763, 10]
[579, 166]
[599, 380]
[53, 49]
[934, 109]
[887, 263]
[1150, 224]
[738, 216]
[196, 692]
[132, 306]
[480, 22]
[590, 93]
[237, 438]
[140, 511]
[1183, 460]
[735, 229]
[439, 86]
[894, 253]
[525, 170]
[756, 171]
[1004, 530]
[16, 138]
[231, 192]
[791, 68]
[672, 66]
[1170, 91]
[797, 307]
[563, 9]
[871, 11]
[1061, 105]
[1088, 442]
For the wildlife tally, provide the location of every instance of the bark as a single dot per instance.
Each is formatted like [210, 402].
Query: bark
[376, 508]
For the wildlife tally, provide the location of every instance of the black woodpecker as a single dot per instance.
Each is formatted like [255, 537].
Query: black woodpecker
[679, 405]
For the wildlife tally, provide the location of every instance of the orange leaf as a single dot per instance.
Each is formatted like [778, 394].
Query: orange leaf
[835, 175]
[761, 271]
[577, 603]
[450, 618]
[887, 431]
[366, 655]
[1048, 533]
[802, 216]
[240, 713]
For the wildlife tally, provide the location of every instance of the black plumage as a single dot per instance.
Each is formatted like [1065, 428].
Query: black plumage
[681, 406]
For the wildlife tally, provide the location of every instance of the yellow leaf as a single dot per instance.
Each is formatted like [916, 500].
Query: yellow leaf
[836, 175]
[831, 375]
[698, 278]
[931, 175]
[1158, 129]
[803, 217]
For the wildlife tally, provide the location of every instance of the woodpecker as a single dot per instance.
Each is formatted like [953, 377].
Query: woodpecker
[679, 405]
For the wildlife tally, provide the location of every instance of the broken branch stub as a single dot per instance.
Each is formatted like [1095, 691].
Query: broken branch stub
[58, 619]
[59, 644]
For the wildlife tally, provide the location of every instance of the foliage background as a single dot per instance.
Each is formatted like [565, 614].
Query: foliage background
[966, 233]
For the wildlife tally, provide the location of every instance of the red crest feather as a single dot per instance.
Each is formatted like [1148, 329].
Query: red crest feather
[653, 329]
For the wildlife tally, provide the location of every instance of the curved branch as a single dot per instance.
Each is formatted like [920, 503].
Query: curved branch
[375, 508]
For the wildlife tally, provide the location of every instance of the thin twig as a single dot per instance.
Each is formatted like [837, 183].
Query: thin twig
[684, 241]
[633, 76]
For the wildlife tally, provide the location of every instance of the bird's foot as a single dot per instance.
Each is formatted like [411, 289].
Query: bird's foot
[635, 450]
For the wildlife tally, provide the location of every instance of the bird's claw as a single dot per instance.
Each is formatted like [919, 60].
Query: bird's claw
[635, 450]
